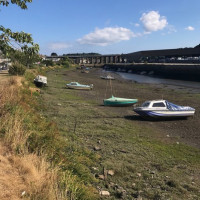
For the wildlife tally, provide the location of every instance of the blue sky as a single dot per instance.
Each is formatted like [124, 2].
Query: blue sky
[107, 26]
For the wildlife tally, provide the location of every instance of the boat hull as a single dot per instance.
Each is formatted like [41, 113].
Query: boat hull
[79, 88]
[164, 114]
[39, 84]
[114, 101]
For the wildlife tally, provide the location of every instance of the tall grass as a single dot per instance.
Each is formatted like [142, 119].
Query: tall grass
[37, 151]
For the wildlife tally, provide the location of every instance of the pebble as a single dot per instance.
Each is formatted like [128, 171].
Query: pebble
[111, 172]
[104, 193]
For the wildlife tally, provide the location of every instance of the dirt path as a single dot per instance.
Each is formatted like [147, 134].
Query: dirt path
[186, 131]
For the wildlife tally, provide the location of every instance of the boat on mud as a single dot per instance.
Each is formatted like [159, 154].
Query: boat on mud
[108, 77]
[78, 86]
[40, 81]
[117, 101]
[162, 109]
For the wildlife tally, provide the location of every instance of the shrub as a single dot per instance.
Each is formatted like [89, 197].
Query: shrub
[17, 69]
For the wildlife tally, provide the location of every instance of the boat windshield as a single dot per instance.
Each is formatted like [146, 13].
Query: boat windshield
[145, 104]
[73, 83]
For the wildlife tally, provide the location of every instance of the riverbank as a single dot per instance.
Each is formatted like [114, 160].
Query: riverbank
[128, 157]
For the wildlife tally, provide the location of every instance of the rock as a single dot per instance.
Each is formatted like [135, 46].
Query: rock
[111, 172]
[96, 148]
[121, 193]
[95, 169]
[102, 177]
[104, 193]
[112, 184]
[23, 193]
[133, 185]
[59, 104]
[139, 174]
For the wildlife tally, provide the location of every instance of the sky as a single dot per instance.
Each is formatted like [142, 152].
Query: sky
[106, 26]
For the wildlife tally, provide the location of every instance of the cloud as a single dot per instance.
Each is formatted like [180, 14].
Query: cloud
[152, 21]
[107, 36]
[59, 46]
[137, 25]
[189, 28]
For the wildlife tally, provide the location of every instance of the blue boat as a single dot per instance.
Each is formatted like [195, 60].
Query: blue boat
[162, 109]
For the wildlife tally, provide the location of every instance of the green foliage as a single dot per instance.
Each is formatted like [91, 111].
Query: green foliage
[20, 3]
[23, 58]
[54, 54]
[17, 69]
[48, 62]
[11, 41]
[65, 62]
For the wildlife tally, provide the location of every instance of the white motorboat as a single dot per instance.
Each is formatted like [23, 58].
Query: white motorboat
[40, 81]
[108, 77]
[163, 109]
[78, 86]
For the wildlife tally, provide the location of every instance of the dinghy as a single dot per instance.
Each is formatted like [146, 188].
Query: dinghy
[159, 109]
[40, 81]
[78, 86]
[108, 77]
[116, 101]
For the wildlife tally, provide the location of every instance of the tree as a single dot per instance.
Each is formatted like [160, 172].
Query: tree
[54, 54]
[12, 41]
[26, 60]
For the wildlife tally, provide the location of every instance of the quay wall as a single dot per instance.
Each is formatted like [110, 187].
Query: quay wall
[157, 68]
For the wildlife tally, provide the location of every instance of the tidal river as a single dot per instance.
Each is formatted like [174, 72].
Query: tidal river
[193, 85]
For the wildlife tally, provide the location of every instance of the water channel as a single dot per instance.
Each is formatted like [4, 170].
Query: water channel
[193, 86]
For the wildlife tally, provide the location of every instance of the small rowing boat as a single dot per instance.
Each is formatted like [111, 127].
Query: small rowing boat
[116, 101]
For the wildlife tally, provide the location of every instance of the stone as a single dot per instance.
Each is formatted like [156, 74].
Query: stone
[96, 148]
[23, 193]
[111, 172]
[139, 174]
[95, 169]
[104, 193]
[102, 177]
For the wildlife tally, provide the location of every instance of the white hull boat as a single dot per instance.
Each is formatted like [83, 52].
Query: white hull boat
[108, 77]
[78, 86]
[40, 81]
[162, 109]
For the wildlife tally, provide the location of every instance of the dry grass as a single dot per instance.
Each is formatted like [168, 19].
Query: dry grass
[21, 174]
[29, 176]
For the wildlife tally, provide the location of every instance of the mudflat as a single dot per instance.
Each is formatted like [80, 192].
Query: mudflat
[129, 157]
[184, 130]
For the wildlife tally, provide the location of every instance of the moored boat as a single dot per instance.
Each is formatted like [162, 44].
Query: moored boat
[159, 109]
[108, 77]
[116, 101]
[40, 81]
[78, 86]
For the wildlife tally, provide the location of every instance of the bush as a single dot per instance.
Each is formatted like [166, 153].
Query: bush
[17, 69]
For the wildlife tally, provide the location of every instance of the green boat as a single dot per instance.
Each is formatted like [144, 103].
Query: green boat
[116, 101]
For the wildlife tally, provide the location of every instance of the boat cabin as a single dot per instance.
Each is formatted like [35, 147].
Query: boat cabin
[156, 104]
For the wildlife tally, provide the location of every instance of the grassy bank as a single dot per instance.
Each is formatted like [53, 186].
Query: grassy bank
[35, 149]
[101, 141]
